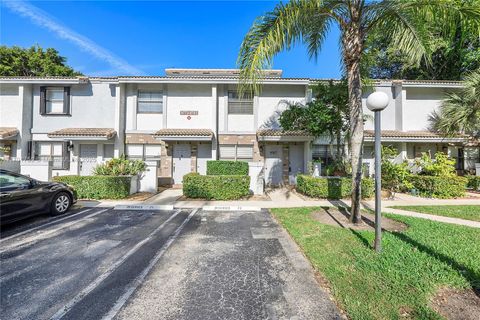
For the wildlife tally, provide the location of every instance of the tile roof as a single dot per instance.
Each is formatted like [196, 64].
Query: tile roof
[409, 134]
[282, 133]
[84, 132]
[8, 132]
[184, 132]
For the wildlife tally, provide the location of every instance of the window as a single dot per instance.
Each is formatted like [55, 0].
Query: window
[143, 151]
[12, 182]
[54, 100]
[150, 102]
[236, 152]
[237, 105]
[55, 151]
[108, 151]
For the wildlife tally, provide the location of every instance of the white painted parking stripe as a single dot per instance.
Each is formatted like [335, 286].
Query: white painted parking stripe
[46, 233]
[143, 207]
[63, 311]
[231, 208]
[141, 277]
[44, 225]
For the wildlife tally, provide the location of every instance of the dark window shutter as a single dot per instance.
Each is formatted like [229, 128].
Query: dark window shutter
[43, 100]
[66, 100]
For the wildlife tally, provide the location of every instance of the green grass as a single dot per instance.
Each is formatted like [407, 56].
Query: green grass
[462, 212]
[412, 266]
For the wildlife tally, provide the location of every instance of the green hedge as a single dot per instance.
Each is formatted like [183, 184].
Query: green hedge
[332, 187]
[98, 187]
[439, 187]
[215, 187]
[473, 182]
[227, 168]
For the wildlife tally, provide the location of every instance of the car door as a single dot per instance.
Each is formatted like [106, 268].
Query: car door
[19, 197]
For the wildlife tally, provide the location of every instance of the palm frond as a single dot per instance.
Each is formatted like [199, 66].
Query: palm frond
[285, 26]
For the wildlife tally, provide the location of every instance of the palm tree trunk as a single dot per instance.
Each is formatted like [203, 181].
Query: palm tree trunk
[352, 49]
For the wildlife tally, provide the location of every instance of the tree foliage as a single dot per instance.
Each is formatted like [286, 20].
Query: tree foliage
[33, 61]
[460, 111]
[395, 176]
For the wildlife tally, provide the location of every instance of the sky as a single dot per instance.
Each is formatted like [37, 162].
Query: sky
[102, 38]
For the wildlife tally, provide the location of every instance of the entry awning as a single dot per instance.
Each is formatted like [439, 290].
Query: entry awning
[414, 136]
[84, 133]
[283, 135]
[184, 134]
[8, 133]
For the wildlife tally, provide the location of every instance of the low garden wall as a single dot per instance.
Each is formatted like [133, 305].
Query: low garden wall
[216, 187]
[98, 187]
[332, 187]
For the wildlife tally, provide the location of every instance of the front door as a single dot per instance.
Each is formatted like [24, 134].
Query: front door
[182, 163]
[273, 165]
[295, 158]
[204, 154]
[88, 159]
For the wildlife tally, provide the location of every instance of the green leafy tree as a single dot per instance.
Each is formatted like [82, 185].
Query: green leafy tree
[441, 166]
[460, 111]
[406, 24]
[33, 61]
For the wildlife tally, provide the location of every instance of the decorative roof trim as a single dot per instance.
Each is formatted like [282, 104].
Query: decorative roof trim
[83, 133]
[8, 133]
[184, 134]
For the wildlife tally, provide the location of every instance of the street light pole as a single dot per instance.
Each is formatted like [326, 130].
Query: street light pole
[376, 102]
[378, 183]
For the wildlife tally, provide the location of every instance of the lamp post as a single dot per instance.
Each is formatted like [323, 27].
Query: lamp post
[376, 102]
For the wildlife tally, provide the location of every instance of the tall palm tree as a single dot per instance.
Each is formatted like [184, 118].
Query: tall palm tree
[460, 111]
[404, 22]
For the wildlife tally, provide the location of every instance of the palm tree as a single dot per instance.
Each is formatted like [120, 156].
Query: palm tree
[404, 22]
[460, 111]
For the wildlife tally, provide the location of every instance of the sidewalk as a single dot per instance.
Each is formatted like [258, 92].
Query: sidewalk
[283, 198]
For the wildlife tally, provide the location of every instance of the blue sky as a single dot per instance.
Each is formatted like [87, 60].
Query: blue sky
[123, 37]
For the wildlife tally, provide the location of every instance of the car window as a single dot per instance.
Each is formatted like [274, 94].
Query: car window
[8, 181]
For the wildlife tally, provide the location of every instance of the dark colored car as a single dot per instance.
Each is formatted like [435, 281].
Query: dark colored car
[22, 197]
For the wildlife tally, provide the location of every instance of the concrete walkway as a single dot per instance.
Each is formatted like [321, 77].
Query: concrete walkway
[284, 198]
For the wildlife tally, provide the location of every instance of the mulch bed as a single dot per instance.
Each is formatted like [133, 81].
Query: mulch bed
[457, 304]
[339, 217]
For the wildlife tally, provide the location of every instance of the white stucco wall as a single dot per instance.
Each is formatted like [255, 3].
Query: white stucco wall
[190, 97]
[388, 115]
[419, 104]
[92, 105]
[10, 106]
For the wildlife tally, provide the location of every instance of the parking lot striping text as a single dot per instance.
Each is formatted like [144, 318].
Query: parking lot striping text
[141, 277]
[46, 233]
[65, 309]
[44, 225]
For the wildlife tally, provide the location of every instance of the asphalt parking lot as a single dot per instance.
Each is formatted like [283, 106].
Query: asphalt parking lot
[102, 263]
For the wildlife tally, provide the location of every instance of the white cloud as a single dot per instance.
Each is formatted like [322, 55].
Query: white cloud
[43, 19]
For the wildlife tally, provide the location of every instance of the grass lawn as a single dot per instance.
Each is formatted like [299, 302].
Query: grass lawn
[412, 266]
[462, 212]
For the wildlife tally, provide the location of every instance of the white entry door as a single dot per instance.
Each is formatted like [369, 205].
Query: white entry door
[204, 154]
[273, 165]
[181, 162]
[295, 159]
[88, 159]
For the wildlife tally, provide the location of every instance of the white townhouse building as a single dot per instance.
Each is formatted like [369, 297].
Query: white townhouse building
[189, 116]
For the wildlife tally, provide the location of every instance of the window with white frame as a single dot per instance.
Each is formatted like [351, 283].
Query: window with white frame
[54, 100]
[143, 151]
[55, 151]
[240, 105]
[150, 102]
[236, 152]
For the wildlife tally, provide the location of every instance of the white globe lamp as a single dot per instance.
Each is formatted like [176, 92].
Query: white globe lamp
[377, 101]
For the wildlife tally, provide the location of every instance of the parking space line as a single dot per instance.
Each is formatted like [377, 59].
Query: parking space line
[43, 225]
[51, 231]
[95, 283]
[141, 277]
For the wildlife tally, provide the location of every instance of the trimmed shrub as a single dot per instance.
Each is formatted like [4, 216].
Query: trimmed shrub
[225, 187]
[120, 167]
[227, 168]
[439, 187]
[332, 187]
[98, 187]
[473, 182]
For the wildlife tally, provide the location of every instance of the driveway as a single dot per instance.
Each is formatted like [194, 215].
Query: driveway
[102, 263]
